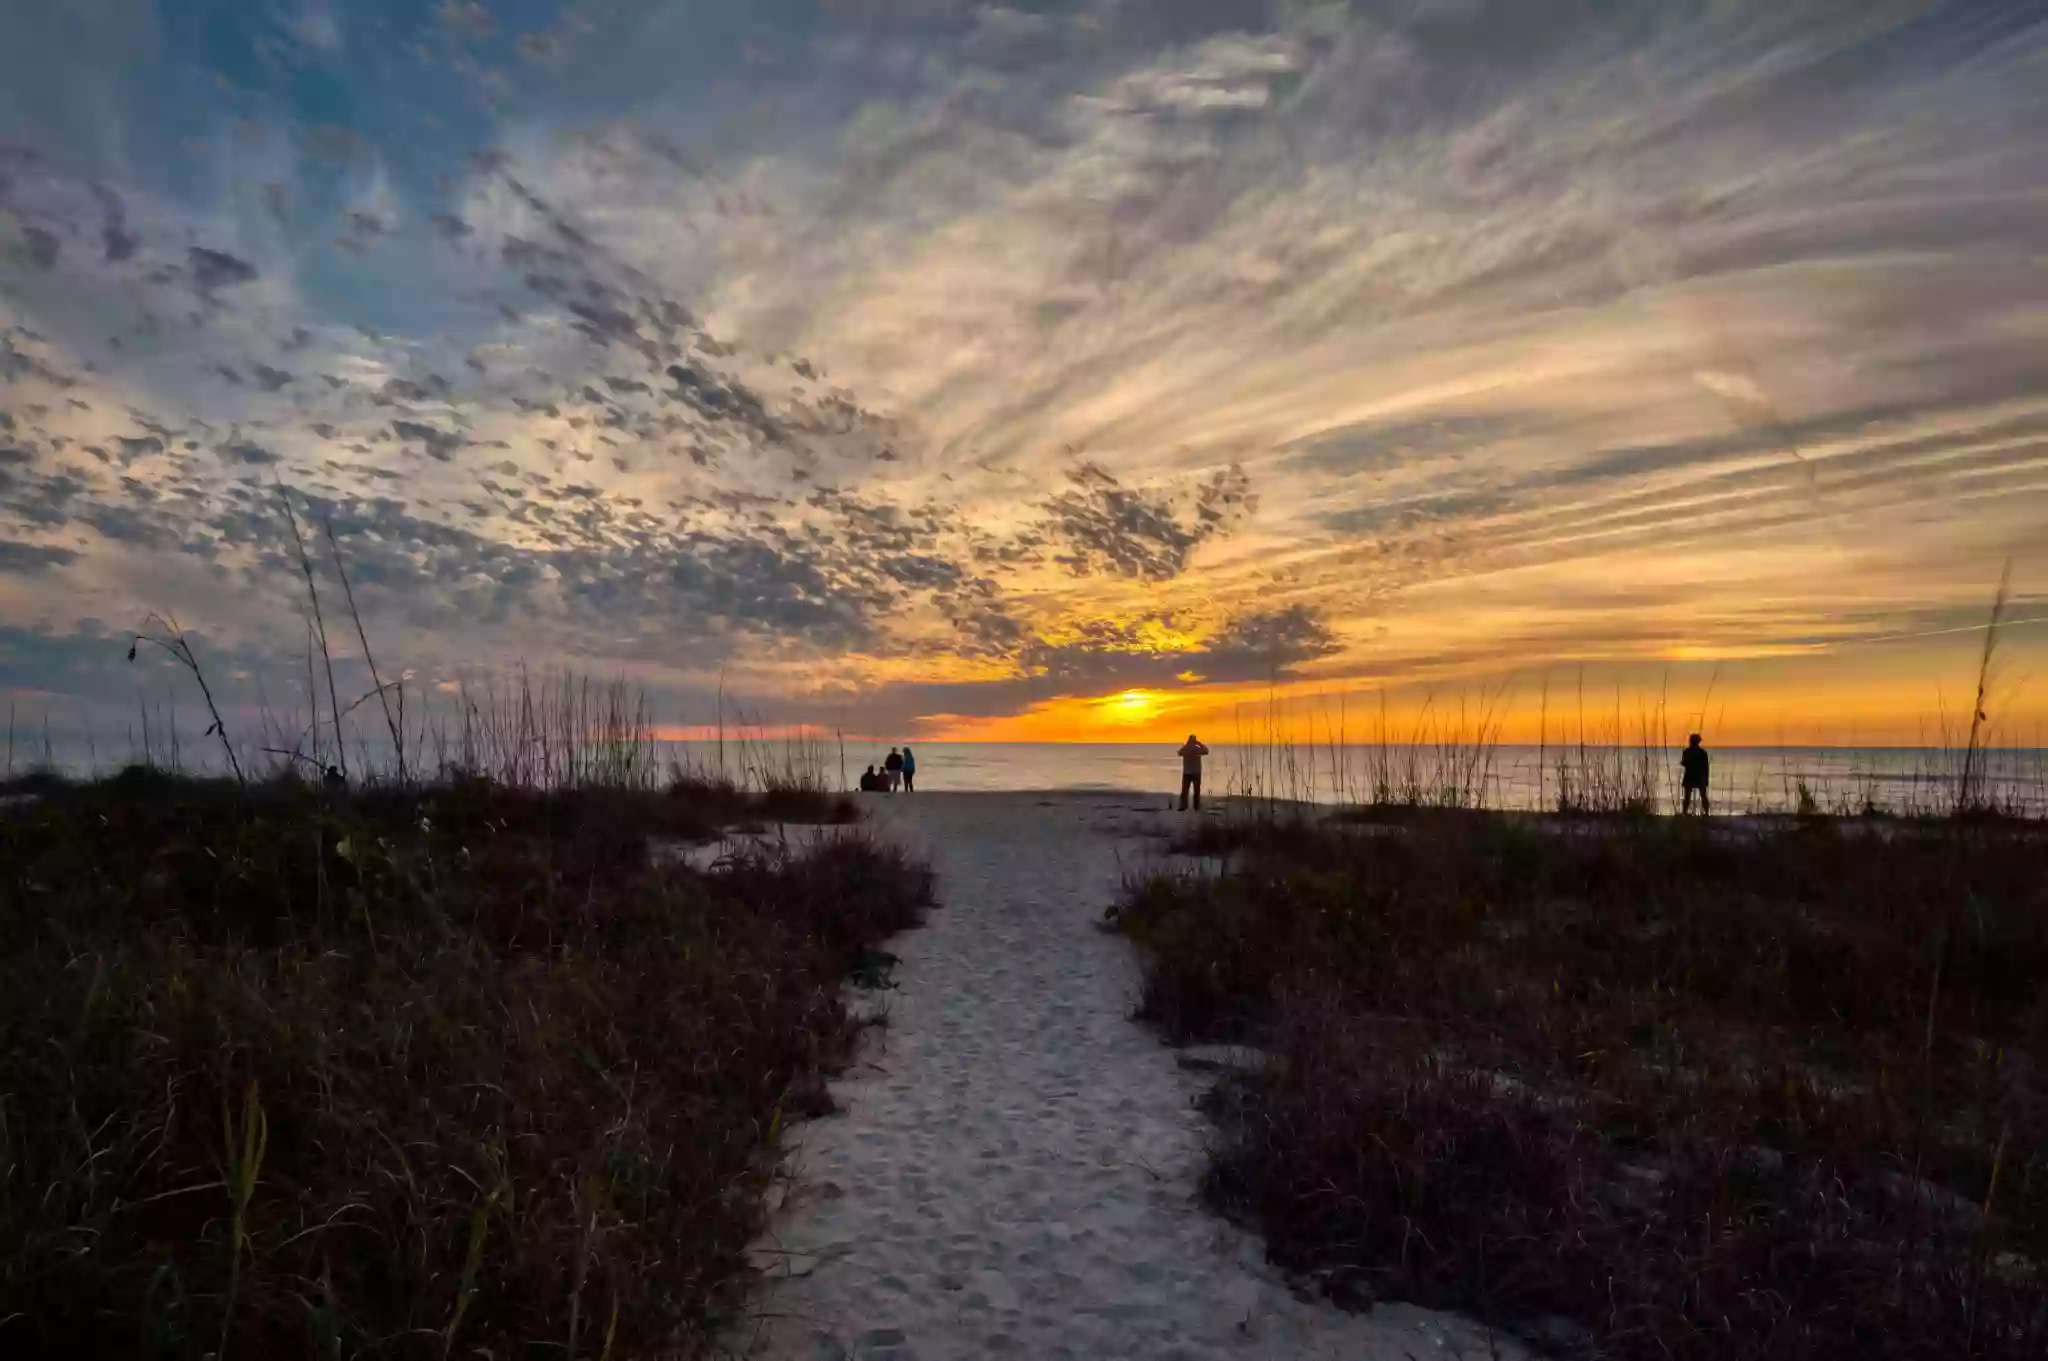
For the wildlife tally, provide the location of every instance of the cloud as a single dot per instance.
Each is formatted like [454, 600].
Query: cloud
[213, 269]
[319, 29]
[254, 454]
[1257, 646]
[40, 247]
[440, 444]
[89, 662]
[466, 19]
[1102, 656]
[1378, 446]
[1265, 645]
[1104, 526]
[931, 332]
[28, 559]
[78, 663]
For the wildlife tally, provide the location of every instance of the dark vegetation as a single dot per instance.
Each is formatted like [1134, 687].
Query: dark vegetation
[1634, 1087]
[463, 1069]
[415, 1038]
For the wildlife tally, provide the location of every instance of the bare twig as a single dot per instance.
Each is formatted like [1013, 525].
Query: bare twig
[163, 632]
[319, 624]
[1968, 795]
[391, 721]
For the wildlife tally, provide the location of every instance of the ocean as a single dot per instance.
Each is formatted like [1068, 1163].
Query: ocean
[1903, 780]
[1745, 779]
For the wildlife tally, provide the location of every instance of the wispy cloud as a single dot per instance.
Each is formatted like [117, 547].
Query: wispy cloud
[955, 357]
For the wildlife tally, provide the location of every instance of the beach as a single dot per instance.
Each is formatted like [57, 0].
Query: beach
[1516, 777]
[1013, 1171]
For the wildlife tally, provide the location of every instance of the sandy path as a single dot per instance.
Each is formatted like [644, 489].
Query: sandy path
[1014, 1172]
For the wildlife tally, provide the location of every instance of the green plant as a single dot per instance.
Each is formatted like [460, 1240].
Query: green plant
[244, 1145]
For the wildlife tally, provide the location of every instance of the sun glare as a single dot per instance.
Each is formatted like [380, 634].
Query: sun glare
[1132, 706]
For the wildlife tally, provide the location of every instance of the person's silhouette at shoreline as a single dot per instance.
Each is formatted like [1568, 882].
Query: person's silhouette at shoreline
[1191, 771]
[1693, 762]
[892, 769]
[871, 783]
[909, 772]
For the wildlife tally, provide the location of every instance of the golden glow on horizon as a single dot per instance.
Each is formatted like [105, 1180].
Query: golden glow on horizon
[1124, 421]
[1132, 706]
[740, 736]
[1792, 701]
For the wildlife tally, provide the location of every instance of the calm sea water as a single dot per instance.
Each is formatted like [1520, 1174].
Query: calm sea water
[1745, 779]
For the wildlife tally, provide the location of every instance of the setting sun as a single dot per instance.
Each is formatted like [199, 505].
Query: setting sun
[929, 561]
[1132, 706]
[1138, 427]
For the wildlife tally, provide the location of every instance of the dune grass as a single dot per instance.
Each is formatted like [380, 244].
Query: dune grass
[411, 1042]
[414, 1071]
[1639, 1088]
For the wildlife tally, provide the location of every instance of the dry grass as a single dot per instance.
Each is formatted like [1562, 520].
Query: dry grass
[1638, 1088]
[460, 1070]
[424, 1055]
[1617, 763]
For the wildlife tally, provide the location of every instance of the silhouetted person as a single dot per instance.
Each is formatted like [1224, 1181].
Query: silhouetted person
[892, 769]
[871, 783]
[334, 782]
[909, 772]
[1693, 763]
[1191, 771]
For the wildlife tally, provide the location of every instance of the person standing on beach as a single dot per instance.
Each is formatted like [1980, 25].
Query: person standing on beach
[892, 769]
[909, 772]
[1693, 764]
[1191, 771]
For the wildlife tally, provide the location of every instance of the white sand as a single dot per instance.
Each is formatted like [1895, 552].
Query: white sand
[1014, 1173]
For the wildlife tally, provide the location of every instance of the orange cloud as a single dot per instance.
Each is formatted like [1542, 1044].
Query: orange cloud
[1873, 695]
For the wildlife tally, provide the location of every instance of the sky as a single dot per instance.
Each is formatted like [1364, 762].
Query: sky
[1092, 370]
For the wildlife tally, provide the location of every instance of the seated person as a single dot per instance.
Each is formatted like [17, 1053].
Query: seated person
[871, 783]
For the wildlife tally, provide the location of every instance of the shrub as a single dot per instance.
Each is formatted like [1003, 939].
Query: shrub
[408, 1074]
[1700, 1093]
